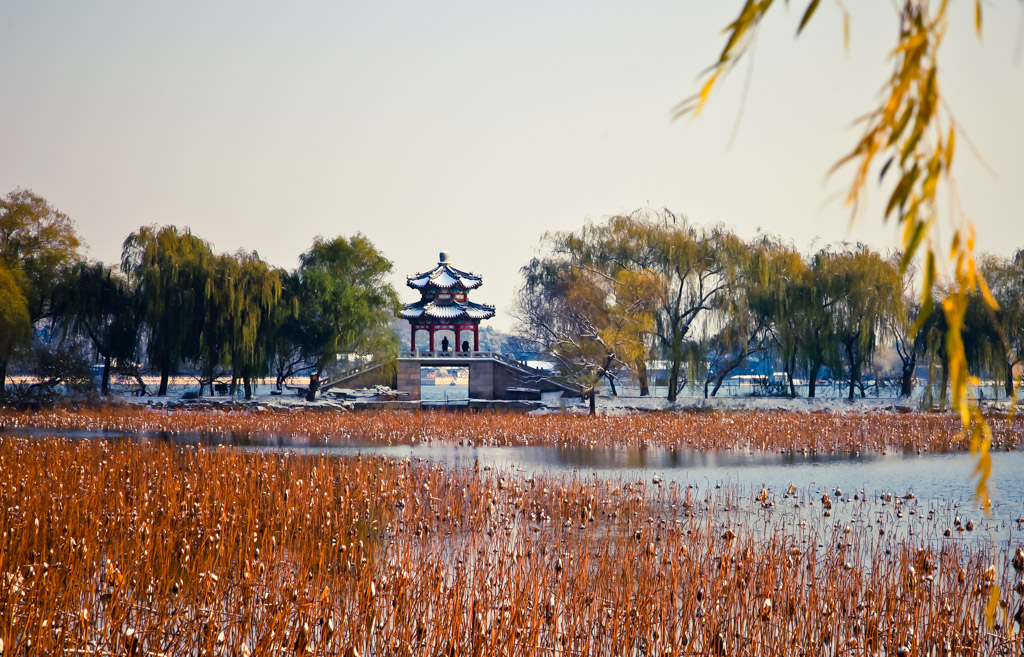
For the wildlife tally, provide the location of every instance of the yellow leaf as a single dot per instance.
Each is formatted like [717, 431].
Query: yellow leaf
[902, 123]
[977, 17]
[927, 302]
[899, 195]
[911, 143]
[910, 245]
[986, 293]
[706, 91]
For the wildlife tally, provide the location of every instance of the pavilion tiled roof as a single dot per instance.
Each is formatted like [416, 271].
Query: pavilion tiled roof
[445, 277]
[447, 310]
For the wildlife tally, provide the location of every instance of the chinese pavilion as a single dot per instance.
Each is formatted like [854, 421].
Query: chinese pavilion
[443, 304]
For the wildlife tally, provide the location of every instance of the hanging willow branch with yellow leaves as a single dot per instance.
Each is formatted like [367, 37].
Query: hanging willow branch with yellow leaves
[912, 133]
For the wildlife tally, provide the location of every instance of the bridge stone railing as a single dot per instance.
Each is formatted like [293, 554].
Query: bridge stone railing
[453, 354]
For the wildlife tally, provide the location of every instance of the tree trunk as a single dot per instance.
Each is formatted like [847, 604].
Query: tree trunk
[247, 383]
[105, 381]
[790, 365]
[314, 385]
[812, 378]
[853, 369]
[673, 380]
[907, 383]
[3, 378]
[611, 382]
[642, 377]
[165, 374]
[593, 401]
[1008, 387]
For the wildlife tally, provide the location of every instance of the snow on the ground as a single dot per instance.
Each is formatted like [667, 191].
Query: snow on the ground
[346, 399]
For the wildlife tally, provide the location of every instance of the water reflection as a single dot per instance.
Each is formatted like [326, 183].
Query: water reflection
[946, 477]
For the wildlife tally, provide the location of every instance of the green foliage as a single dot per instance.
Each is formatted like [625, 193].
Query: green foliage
[15, 325]
[344, 302]
[758, 313]
[695, 270]
[241, 297]
[96, 302]
[865, 291]
[1006, 278]
[779, 298]
[591, 317]
[38, 244]
[169, 269]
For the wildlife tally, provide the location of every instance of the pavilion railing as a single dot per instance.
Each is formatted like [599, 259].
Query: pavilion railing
[422, 353]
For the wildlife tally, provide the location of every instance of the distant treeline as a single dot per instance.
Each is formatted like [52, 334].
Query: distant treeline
[612, 296]
[601, 302]
[173, 302]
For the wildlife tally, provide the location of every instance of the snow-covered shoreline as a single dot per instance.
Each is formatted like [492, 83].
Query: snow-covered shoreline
[606, 404]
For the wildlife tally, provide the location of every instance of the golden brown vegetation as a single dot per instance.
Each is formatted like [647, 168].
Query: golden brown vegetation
[127, 548]
[774, 431]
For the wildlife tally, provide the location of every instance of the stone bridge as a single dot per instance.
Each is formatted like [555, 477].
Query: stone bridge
[491, 375]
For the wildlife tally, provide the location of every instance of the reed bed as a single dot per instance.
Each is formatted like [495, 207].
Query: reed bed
[115, 547]
[769, 431]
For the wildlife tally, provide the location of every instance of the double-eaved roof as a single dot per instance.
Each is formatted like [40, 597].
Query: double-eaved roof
[445, 277]
[447, 310]
[438, 288]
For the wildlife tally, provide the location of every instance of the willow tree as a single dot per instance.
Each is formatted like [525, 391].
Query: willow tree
[909, 342]
[695, 269]
[95, 302]
[1006, 276]
[345, 304]
[591, 320]
[255, 292]
[284, 334]
[168, 269]
[772, 297]
[814, 298]
[758, 313]
[240, 295]
[15, 324]
[866, 289]
[219, 297]
[911, 136]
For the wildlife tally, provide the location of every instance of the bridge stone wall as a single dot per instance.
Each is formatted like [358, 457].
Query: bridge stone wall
[371, 377]
[409, 379]
[481, 380]
[489, 378]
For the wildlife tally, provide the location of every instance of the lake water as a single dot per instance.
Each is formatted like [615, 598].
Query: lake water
[945, 477]
[458, 394]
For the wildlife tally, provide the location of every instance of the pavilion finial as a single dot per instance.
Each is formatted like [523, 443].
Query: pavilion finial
[444, 258]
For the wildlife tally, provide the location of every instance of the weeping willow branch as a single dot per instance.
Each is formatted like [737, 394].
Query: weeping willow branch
[913, 135]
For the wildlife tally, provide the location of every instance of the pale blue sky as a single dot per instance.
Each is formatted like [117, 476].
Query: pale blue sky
[469, 126]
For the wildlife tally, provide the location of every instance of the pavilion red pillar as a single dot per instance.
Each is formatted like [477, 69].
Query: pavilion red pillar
[476, 337]
[431, 337]
[412, 337]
